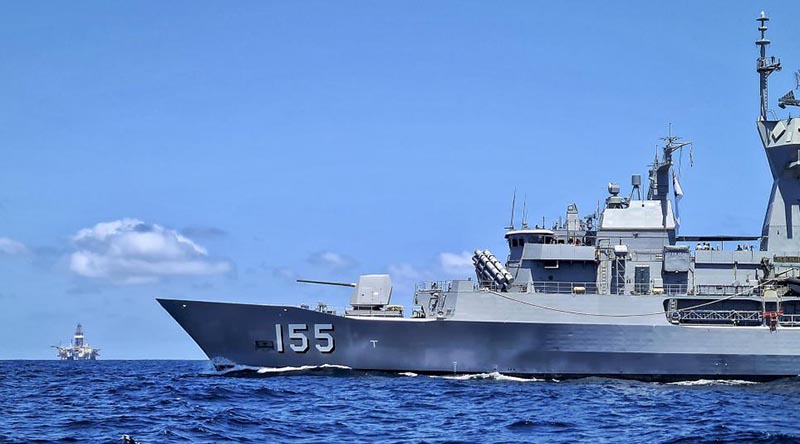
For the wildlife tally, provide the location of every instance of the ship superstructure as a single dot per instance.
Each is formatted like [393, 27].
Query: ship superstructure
[618, 292]
[78, 350]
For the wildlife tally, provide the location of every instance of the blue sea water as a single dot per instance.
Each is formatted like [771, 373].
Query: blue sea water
[187, 402]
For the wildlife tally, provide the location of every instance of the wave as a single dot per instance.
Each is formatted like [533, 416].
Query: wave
[705, 382]
[526, 423]
[302, 368]
[247, 370]
[493, 376]
[332, 369]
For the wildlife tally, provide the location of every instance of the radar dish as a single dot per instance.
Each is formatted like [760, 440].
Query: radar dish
[788, 99]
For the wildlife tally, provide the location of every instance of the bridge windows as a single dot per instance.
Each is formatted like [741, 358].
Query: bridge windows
[518, 239]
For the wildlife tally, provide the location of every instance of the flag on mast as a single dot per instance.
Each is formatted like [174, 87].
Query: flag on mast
[676, 185]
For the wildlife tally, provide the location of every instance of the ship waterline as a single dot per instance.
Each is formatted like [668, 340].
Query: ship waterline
[246, 334]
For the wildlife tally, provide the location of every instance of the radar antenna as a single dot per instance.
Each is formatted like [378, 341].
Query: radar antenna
[788, 99]
[765, 66]
[672, 144]
[513, 204]
[525, 212]
[660, 174]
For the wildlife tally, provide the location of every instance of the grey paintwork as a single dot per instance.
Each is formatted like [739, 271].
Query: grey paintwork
[608, 293]
[662, 352]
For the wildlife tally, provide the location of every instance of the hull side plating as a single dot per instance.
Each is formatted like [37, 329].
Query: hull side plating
[246, 334]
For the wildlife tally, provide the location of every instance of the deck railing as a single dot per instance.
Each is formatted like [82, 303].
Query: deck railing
[717, 316]
[565, 287]
[727, 290]
[790, 320]
[674, 289]
[434, 285]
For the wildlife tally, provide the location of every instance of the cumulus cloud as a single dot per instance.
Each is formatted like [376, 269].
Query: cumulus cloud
[12, 247]
[447, 265]
[406, 276]
[457, 264]
[129, 251]
[331, 260]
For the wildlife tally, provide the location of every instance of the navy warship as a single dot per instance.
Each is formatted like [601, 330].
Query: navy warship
[616, 293]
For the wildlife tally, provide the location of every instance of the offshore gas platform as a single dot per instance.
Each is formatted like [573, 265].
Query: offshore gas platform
[78, 350]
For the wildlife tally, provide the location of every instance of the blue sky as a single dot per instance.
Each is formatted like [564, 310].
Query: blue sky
[219, 151]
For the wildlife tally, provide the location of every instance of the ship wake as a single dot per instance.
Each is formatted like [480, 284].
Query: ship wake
[255, 372]
[492, 376]
[710, 382]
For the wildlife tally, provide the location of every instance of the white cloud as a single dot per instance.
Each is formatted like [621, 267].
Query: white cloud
[457, 264]
[406, 272]
[12, 247]
[405, 277]
[286, 274]
[129, 251]
[331, 260]
[450, 265]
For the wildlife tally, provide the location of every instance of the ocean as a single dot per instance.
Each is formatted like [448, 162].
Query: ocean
[187, 402]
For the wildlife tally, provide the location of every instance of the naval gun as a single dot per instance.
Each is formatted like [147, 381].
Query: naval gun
[371, 295]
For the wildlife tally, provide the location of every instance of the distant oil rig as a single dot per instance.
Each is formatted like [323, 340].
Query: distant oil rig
[78, 350]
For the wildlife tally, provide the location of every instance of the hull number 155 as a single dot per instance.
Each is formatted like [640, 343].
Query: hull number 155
[298, 337]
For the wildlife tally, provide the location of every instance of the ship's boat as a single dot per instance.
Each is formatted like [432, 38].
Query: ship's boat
[614, 293]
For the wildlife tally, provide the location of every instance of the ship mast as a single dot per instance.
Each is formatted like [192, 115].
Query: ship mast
[765, 66]
[780, 233]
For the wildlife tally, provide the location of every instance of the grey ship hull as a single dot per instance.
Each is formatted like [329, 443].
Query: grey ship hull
[245, 334]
